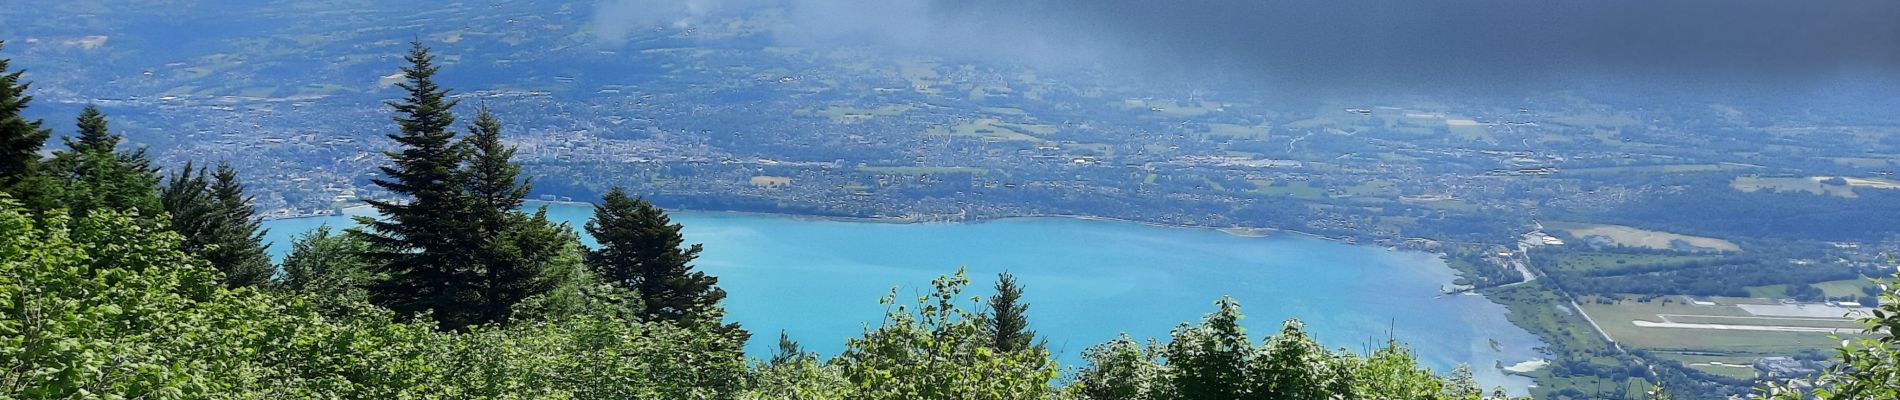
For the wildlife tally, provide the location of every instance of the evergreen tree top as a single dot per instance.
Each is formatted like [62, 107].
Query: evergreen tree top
[20, 138]
[423, 168]
[642, 249]
[1008, 321]
[94, 134]
[425, 112]
[493, 177]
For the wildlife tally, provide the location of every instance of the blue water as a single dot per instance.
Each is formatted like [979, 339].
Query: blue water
[819, 280]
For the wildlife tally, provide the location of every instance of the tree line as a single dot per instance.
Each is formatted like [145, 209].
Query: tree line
[116, 282]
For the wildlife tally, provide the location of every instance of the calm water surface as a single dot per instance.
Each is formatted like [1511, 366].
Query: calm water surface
[819, 280]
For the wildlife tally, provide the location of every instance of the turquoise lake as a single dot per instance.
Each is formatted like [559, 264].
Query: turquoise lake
[1087, 281]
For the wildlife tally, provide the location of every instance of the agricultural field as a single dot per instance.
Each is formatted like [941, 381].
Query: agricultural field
[1469, 130]
[1594, 261]
[1866, 162]
[1718, 331]
[1239, 131]
[894, 170]
[1847, 287]
[846, 114]
[991, 128]
[1739, 367]
[1633, 237]
[1813, 185]
[1171, 108]
[1294, 189]
[1658, 169]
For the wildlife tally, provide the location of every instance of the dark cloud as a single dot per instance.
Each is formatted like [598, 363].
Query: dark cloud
[1386, 43]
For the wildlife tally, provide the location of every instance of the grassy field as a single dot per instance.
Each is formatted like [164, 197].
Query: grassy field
[989, 128]
[1005, 111]
[1753, 184]
[1593, 261]
[893, 170]
[1618, 320]
[1733, 366]
[1830, 288]
[1450, 205]
[1376, 187]
[1469, 130]
[1294, 189]
[1633, 237]
[1540, 310]
[1239, 131]
[1587, 119]
[319, 89]
[1656, 169]
[1862, 162]
[854, 114]
[1171, 108]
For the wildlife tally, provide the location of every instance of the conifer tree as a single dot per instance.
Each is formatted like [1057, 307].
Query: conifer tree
[20, 143]
[94, 134]
[640, 249]
[788, 351]
[216, 219]
[240, 252]
[491, 176]
[186, 195]
[92, 175]
[532, 255]
[417, 245]
[521, 255]
[1008, 322]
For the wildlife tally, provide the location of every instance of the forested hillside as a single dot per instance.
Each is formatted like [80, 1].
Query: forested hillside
[117, 281]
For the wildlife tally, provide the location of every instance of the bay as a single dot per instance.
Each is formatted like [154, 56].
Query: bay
[819, 280]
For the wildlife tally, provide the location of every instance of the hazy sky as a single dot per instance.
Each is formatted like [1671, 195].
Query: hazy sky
[1348, 43]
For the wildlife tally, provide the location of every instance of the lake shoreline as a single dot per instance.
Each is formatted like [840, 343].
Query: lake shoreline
[1241, 231]
[575, 213]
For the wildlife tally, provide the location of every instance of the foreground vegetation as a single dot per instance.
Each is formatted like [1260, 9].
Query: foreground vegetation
[115, 283]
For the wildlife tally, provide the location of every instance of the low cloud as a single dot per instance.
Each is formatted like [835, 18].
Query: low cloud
[1353, 43]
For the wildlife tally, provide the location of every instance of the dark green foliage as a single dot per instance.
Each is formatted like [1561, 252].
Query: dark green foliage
[1207, 361]
[328, 268]
[521, 256]
[1213, 360]
[1293, 366]
[460, 248]
[787, 351]
[94, 134]
[218, 223]
[640, 249]
[108, 307]
[1121, 369]
[530, 256]
[1008, 322]
[20, 142]
[491, 177]
[241, 255]
[1804, 292]
[420, 245]
[92, 175]
[935, 349]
